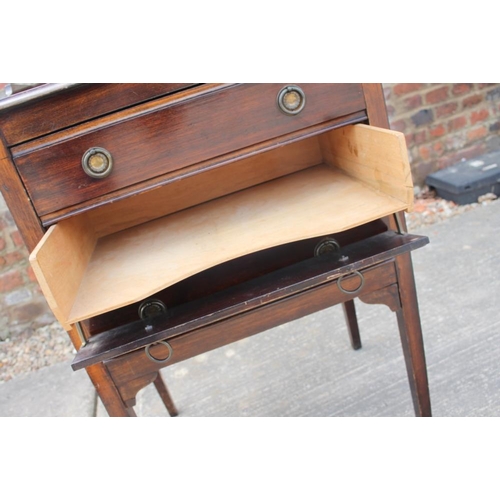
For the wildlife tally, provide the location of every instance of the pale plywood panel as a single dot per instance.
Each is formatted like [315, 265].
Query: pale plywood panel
[60, 261]
[135, 263]
[375, 156]
[195, 188]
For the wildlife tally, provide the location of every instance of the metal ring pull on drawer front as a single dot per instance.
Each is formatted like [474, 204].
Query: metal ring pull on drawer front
[97, 162]
[159, 360]
[356, 290]
[291, 100]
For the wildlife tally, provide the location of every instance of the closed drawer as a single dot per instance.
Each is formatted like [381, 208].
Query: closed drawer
[57, 109]
[168, 135]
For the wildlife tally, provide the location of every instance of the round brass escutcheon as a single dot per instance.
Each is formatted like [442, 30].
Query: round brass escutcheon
[291, 99]
[151, 307]
[327, 246]
[356, 290]
[97, 162]
[159, 360]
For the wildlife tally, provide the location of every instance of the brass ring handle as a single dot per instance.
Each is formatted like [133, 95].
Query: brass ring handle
[361, 284]
[157, 360]
[291, 100]
[97, 162]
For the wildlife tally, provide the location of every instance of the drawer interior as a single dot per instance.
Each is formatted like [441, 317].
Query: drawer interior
[312, 282]
[98, 262]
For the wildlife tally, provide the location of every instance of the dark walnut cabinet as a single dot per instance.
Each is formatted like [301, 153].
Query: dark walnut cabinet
[165, 220]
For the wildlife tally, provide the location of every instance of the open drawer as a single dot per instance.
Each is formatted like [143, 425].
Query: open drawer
[94, 263]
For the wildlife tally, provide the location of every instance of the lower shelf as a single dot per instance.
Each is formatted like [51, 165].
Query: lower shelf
[130, 265]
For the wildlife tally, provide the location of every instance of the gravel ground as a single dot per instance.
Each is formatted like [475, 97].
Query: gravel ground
[429, 209]
[32, 350]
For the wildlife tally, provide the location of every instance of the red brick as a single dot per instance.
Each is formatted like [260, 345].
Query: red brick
[461, 88]
[437, 131]
[13, 257]
[17, 238]
[398, 125]
[446, 109]
[472, 100]
[413, 102]
[31, 275]
[415, 138]
[405, 88]
[425, 152]
[477, 133]
[438, 147]
[445, 161]
[420, 137]
[479, 116]
[437, 95]
[457, 123]
[464, 153]
[25, 313]
[10, 280]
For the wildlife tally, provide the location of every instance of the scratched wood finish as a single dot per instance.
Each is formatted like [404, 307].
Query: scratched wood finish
[176, 136]
[76, 105]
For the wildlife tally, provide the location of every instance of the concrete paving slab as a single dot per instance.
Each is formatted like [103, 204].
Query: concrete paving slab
[307, 367]
[55, 391]
[458, 281]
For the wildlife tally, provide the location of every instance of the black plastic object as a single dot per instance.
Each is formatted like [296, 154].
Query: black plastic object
[466, 181]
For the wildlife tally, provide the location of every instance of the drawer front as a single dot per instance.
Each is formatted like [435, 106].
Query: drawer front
[139, 363]
[172, 135]
[77, 104]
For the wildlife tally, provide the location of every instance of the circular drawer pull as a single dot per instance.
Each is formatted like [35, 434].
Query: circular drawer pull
[327, 246]
[150, 308]
[157, 360]
[360, 286]
[97, 163]
[291, 99]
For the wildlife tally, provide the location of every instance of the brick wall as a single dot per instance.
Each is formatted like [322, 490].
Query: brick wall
[22, 305]
[444, 122]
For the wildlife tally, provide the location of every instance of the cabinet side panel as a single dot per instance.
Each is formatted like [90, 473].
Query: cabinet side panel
[18, 201]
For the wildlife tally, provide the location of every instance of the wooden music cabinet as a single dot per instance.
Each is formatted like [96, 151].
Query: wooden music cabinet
[166, 220]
